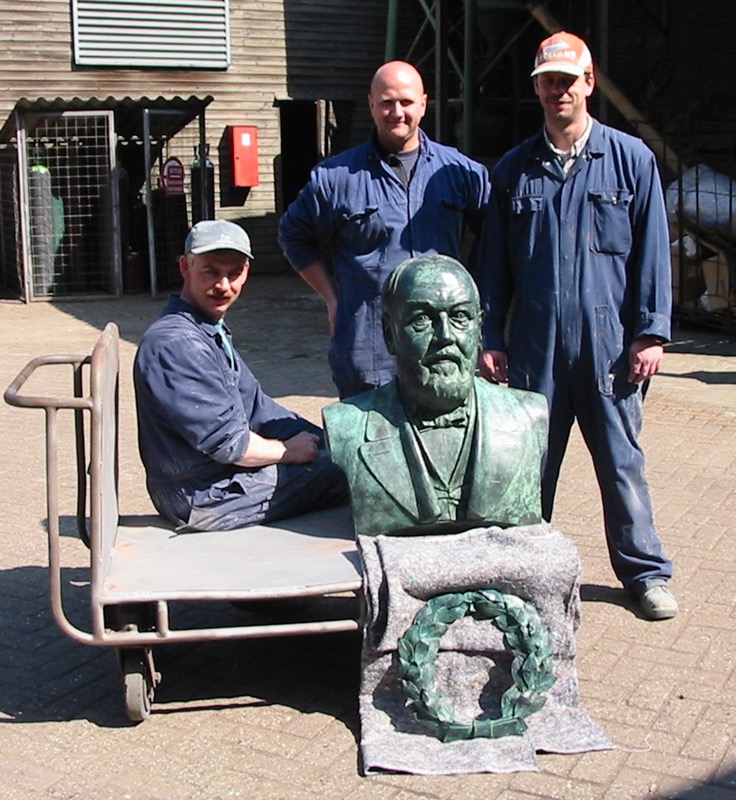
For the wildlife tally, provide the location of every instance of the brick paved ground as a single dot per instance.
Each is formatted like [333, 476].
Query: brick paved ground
[277, 718]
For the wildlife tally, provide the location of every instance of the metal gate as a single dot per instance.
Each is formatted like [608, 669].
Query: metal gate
[97, 195]
[68, 201]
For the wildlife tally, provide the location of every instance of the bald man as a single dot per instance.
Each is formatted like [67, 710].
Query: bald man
[398, 195]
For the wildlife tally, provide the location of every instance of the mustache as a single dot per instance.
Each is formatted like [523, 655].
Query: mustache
[443, 355]
[222, 295]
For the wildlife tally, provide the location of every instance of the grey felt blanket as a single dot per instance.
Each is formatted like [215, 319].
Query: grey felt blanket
[536, 563]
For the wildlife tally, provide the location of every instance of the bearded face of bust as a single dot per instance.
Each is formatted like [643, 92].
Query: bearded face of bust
[432, 327]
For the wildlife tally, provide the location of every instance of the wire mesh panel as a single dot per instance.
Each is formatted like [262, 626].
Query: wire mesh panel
[70, 208]
[96, 197]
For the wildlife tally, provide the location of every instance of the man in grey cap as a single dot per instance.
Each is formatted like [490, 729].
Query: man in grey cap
[219, 453]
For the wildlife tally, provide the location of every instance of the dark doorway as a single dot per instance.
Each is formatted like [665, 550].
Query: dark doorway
[299, 145]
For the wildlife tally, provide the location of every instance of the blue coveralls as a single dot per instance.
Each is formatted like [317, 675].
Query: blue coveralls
[579, 267]
[356, 204]
[195, 415]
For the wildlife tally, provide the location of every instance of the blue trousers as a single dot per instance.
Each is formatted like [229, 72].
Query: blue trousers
[253, 496]
[610, 419]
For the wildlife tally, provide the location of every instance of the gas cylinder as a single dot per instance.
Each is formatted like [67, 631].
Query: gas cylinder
[203, 186]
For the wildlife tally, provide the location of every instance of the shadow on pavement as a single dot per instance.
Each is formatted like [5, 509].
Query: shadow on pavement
[46, 676]
[613, 595]
[722, 787]
[698, 342]
[711, 378]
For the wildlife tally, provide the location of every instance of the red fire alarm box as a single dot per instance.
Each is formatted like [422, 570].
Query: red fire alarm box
[245, 155]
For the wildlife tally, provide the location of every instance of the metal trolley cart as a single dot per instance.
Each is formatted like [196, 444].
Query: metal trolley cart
[139, 567]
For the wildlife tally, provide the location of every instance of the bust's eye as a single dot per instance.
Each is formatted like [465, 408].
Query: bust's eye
[419, 320]
[460, 318]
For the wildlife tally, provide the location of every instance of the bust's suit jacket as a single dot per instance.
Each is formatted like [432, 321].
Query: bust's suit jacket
[367, 437]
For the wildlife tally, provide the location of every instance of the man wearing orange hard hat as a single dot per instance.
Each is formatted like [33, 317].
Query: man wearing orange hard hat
[576, 286]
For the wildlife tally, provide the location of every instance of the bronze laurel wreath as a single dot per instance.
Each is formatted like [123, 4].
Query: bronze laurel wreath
[531, 669]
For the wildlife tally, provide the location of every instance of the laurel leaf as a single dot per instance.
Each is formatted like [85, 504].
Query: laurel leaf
[405, 649]
[410, 689]
[530, 706]
[546, 682]
[450, 615]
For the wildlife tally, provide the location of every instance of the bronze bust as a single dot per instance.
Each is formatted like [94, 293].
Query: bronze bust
[438, 450]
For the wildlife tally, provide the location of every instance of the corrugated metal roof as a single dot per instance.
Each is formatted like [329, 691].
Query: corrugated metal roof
[128, 112]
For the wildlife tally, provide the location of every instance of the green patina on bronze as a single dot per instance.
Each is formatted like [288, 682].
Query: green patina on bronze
[438, 450]
[531, 669]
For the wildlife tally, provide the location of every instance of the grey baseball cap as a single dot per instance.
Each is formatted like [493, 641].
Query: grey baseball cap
[217, 234]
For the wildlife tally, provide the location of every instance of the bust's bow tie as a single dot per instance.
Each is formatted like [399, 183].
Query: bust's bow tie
[453, 419]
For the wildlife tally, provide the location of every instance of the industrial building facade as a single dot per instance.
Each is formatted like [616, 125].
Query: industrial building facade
[111, 110]
[121, 123]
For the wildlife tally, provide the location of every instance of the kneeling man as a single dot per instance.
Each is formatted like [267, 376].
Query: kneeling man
[219, 452]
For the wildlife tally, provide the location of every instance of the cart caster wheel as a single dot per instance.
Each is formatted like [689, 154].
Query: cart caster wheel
[139, 682]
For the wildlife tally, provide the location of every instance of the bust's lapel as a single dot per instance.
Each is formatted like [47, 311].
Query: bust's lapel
[382, 452]
[498, 451]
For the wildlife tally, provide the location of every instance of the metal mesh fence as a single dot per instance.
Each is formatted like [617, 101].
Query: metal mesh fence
[88, 210]
[71, 242]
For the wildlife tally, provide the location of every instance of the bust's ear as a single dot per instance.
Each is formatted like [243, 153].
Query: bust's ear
[388, 335]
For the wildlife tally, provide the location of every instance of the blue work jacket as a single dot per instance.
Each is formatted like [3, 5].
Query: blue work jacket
[195, 412]
[355, 203]
[575, 267]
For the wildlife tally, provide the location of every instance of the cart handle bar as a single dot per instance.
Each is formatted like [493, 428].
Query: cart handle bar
[13, 398]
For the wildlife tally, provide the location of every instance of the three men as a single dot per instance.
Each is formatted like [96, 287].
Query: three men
[219, 452]
[577, 269]
[396, 196]
[575, 278]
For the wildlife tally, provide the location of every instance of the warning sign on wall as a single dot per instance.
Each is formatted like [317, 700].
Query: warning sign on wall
[172, 176]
